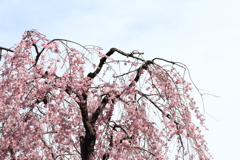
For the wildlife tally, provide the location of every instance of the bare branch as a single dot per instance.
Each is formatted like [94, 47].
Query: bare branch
[6, 49]
[119, 126]
[144, 150]
[108, 54]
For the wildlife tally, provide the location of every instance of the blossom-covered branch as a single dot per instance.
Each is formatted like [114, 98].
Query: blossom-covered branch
[62, 100]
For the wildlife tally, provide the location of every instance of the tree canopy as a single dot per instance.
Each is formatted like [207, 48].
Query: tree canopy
[62, 100]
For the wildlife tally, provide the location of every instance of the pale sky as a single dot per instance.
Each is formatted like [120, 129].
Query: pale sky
[203, 34]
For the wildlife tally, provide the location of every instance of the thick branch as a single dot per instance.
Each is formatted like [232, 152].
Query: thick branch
[87, 142]
[6, 49]
[12, 153]
[38, 53]
[109, 53]
[99, 109]
[101, 63]
[36, 49]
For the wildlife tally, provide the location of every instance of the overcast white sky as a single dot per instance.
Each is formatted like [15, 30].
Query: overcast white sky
[203, 34]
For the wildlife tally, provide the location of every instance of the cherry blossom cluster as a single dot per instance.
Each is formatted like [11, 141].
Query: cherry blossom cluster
[58, 102]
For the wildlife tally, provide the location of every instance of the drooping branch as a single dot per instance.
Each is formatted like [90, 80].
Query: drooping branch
[106, 99]
[119, 126]
[45, 144]
[155, 105]
[144, 150]
[167, 115]
[133, 132]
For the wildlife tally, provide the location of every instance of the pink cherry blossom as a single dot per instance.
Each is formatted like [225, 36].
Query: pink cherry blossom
[60, 103]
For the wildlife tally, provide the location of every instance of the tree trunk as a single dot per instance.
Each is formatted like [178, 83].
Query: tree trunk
[87, 145]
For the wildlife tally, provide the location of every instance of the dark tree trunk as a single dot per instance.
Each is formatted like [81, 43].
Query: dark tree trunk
[87, 145]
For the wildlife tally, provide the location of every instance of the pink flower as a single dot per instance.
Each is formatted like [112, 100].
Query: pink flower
[125, 142]
[179, 81]
[97, 48]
